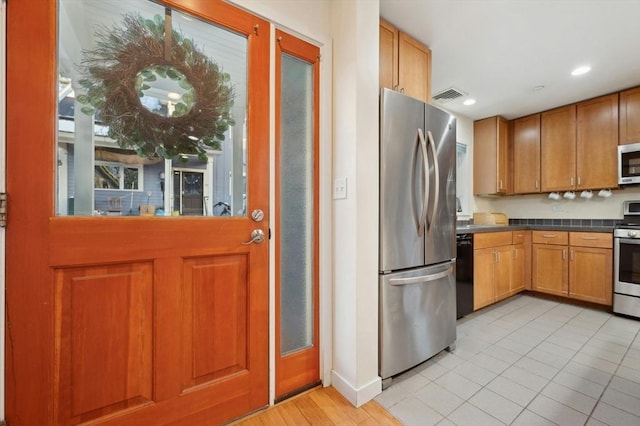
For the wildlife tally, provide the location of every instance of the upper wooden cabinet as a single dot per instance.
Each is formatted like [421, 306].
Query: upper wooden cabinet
[630, 116]
[388, 55]
[526, 154]
[558, 149]
[405, 63]
[597, 143]
[491, 156]
[578, 145]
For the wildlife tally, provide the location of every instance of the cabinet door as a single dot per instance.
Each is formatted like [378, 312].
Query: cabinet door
[597, 143]
[522, 242]
[388, 55]
[591, 274]
[629, 116]
[503, 274]
[519, 269]
[483, 281]
[490, 156]
[526, 154]
[550, 269]
[414, 68]
[558, 149]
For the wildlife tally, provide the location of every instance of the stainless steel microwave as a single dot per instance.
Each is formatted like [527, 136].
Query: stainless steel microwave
[629, 163]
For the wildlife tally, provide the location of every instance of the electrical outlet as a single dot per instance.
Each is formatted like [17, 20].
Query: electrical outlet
[340, 188]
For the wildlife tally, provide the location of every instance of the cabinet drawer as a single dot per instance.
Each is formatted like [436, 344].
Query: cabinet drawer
[551, 237]
[519, 237]
[591, 239]
[491, 239]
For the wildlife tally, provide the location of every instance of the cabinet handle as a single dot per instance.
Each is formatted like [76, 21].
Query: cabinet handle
[571, 255]
[571, 182]
[549, 235]
[564, 254]
[589, 238]
[500, 184]
[579, 180]
[536, 183]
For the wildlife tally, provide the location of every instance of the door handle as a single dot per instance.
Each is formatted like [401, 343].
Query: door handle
[421, 279]
[436, 171]
[425, 165]
[257, 236]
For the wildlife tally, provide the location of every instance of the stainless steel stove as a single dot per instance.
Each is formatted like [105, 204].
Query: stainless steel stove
[626, 250]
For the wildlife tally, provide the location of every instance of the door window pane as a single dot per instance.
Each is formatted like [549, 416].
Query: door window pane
[296, 227]
[175, 119]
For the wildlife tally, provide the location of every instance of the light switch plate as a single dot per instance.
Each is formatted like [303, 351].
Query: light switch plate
[340, 188]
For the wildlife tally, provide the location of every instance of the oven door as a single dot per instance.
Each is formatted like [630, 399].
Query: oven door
[627, 266]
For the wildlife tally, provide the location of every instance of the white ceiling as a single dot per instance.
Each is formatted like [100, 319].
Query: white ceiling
[497, 51]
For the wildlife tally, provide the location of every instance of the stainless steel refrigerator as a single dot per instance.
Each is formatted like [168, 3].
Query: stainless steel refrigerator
[417, 232]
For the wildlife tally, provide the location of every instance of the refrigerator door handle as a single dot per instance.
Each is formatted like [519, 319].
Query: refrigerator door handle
[425, 165]
[436, 169]
[422, 278]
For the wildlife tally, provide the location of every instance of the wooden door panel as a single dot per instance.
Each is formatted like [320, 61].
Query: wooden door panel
[104, 331]
[558, 149]
[414, 68]
[590, 274]
[504, 271]
[484, 292]
[550, 269]
[597, 143]
[216, 308]
[388, 55]
[526, 154]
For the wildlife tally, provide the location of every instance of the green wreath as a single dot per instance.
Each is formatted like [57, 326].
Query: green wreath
[130, 57]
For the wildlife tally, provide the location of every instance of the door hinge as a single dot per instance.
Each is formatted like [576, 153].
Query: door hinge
[3, 210]
[269, 233]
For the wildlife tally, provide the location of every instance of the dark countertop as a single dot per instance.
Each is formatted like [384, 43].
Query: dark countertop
[474, 229]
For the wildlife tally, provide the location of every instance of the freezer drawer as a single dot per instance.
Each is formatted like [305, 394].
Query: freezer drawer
[417, 316]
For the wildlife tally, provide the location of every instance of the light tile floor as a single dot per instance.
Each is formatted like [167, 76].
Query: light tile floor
[527, 361]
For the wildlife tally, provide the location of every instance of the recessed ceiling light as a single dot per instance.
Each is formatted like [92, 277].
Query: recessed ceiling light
[469, 102]
[581, 70]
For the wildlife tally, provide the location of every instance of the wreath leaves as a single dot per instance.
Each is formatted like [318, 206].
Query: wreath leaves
[131, 55]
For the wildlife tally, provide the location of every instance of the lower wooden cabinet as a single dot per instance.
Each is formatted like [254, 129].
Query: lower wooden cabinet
[576, 265]
[498, 268]
[519, 282]
[590, 274]
[550, 269]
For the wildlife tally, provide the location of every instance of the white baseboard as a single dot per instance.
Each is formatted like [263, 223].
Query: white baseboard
[357, 397]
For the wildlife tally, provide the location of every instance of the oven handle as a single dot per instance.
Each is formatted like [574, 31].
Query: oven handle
[635, 241]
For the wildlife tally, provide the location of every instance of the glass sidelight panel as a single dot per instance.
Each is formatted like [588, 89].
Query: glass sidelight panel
[296, 221]
[143, 92]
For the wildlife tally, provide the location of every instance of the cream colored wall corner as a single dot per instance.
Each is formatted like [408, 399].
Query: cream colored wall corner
[355, 26]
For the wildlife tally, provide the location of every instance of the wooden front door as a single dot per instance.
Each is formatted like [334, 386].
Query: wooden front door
[128, 320]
